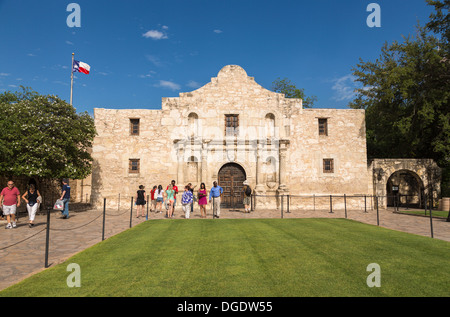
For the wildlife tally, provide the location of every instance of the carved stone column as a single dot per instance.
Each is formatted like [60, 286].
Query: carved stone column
[204, 162]
[282, 163]
[260, 188]
[180, 167]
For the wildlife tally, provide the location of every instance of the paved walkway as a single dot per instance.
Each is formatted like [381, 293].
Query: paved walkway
[22, 250]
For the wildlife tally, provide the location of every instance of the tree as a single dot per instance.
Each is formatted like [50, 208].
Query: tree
[406, 100]
[440, 21]
[285, 87]
[406, 95]
[43, 136]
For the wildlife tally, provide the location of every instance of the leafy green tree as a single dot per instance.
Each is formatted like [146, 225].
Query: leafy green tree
[406, 100]
[285, 87]
[406, 94]
[43, 136]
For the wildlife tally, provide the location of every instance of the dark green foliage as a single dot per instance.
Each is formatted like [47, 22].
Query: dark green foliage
[43, 136]
[285, 87]
[406, 94]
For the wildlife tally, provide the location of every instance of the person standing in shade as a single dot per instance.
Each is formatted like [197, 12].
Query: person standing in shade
[202, 200]
[140, 201]
[215, 193]
[247, 196]
[65, 197]
[32, 199]
[186, 201]
[10, 199]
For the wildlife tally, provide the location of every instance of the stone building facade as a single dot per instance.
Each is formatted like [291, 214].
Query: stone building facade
[231, 130]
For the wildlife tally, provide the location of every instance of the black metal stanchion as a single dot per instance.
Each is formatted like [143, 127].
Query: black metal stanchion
[345, 205]
[365, 204]
[146, 218]
[331, 204]
[378, 215]
[288, 201]
[104, 215]
[131, 211]
[251, 202]
[431, 220]
[282, 203]
[47, 237]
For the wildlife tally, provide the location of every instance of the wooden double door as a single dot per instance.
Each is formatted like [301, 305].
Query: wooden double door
[231, 178]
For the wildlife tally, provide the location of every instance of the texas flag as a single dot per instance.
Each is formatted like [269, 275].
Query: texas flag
[80, 67]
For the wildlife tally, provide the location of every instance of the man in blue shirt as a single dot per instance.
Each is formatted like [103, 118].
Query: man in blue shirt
[65, 197]
[215, 193]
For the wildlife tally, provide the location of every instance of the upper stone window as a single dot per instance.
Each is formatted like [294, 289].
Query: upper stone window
[134, 126]
[193, 124]
[231, 124]
[270, 125]
[323, 126]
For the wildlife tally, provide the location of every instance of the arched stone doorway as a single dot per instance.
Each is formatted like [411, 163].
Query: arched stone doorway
[231, 177]
[406, 188]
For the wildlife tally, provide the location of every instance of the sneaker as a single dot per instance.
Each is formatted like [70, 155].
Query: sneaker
[14, 224]
[8, 226]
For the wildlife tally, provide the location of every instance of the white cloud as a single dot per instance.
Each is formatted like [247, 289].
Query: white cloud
[69, 43]
[218, 31]
[168, 84]
[155, 35]
[344, 88]
[155, 60]
[193, 84]
[4, 74]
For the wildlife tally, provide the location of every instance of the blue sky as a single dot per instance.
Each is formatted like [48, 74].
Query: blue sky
[140, 51]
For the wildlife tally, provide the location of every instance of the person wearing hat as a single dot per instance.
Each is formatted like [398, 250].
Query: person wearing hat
[65, 197]
[247, 196]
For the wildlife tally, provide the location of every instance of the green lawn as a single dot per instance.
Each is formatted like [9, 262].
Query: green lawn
[249, 257]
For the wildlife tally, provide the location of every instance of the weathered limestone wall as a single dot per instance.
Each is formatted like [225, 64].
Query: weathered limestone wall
[278, 144]
[345, 144]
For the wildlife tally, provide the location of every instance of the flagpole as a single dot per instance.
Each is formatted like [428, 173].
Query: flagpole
[71, 80]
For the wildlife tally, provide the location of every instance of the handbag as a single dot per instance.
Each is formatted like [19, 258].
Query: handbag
[59, 205]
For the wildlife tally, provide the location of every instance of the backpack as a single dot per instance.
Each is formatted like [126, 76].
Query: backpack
[248, 191]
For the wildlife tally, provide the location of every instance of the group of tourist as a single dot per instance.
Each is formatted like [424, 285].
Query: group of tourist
[10, 199]
[158, 196]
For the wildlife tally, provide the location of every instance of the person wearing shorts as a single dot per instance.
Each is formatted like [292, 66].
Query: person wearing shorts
[140, 201]
[170, 192]
[159, 195]
[10, 200]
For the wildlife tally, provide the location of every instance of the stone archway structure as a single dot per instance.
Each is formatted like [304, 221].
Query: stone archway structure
[425, 171]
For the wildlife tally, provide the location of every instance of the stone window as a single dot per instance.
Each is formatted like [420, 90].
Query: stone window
[323, 126]
[134, 166]
[193, 124]
[270, 125]
[328, 165]
[231, 124]
[134, 126]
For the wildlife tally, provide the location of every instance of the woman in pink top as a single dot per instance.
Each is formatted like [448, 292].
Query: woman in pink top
[202, 200]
